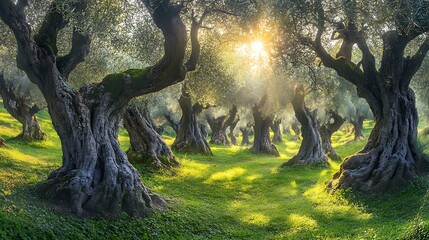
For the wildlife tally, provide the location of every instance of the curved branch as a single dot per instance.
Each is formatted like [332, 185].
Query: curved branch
[413, 64]
[80, 49]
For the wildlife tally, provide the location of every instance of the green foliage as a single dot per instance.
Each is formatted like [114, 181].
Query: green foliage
[234, 195]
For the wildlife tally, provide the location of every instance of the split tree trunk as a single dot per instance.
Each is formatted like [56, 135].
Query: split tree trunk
[326, 131]
[357, 128]
[19, 108]
[275, 127]
[189, 138]
[220, 124]
[310, 151]
[147, 145]
[218, 128]
[262, 142]
[245, 133]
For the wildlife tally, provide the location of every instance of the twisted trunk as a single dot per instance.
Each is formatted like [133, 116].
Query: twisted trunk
[245, 133]
[326, 131]
[357, 128]
[147, 145]
[275, 127]
[310, 151]
[296, 130]
[218, 127]
[189, 138]
[389, 161]
[262, 142]
[95, 176]
[18, 107]
[231, 131]
[204, 131]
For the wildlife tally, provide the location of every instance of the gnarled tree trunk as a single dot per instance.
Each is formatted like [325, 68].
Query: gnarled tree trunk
[18, 107]
[95, 175]
[275, 127]
[296, 130]
[245, 133]
[189, 138]
[389, 161]
[147, 145]
[357, 128]
[310, 151]
[262, 142]
[231, 131]
[326, 131]
[218, 128]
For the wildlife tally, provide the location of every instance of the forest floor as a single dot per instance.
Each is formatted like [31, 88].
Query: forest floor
[233, 195]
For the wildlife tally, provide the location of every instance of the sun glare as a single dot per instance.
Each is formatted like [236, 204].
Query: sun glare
[257, 47]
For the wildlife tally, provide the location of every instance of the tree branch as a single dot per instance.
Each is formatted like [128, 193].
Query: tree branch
[80, 49]
[413, 64]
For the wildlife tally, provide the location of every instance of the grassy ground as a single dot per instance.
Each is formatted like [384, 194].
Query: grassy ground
[234, 195]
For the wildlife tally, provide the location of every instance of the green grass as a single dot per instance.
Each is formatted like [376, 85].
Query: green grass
[234, 195]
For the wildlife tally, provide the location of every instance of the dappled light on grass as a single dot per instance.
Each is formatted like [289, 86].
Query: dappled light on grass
[227, 175]
[191, 168]
[17, 156]
[331, 205]
[256, 218]
[301, 221]
[235, 195]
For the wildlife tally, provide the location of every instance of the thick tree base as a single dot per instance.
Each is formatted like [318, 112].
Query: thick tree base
[308, 160]
[332, 154]
[198, 147]
[161, 160]
[376, 172]
[106, 200]
[270, 149]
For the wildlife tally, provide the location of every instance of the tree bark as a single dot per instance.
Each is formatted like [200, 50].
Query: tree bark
[262, 142]
[218, 128]
[296, 130]
[275, 127]
[19, 108]
[357, 128]
[189, 138]
[245, 133]
[310, 151]
[96, 176]
[326, 131]
[231, 131]
[389, 161]
[204, 131]
[147, 145]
